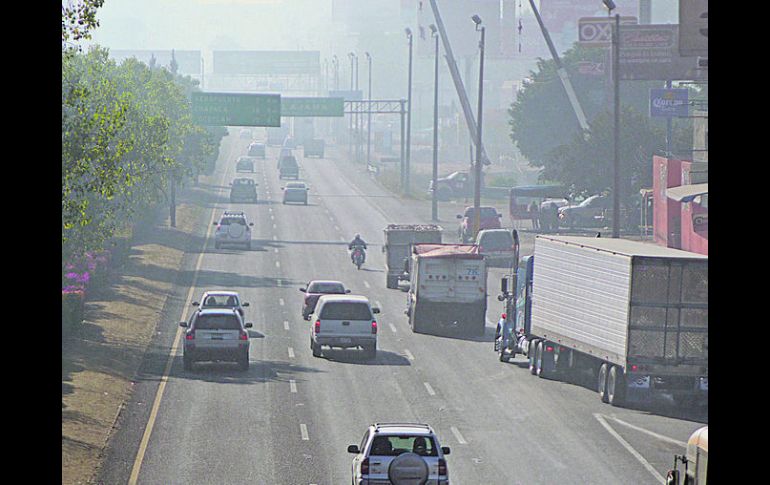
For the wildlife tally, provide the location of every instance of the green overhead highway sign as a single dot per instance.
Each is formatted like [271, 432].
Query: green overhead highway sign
[312, 106]
[236, 109]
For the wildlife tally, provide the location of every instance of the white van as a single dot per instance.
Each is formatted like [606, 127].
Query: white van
[344, 321]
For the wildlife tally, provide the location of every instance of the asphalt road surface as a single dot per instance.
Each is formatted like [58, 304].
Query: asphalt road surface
[290, 417]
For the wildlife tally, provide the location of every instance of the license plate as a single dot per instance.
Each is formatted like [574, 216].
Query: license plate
[216, 337]
[344, 340]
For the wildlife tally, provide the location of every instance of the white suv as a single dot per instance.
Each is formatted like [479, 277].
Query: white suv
[232, 228]
[395, 452]
[344, 321]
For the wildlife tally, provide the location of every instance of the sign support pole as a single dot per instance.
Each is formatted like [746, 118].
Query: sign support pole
[616, 134]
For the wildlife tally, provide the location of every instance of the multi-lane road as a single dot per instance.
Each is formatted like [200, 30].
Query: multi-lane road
[290, 417]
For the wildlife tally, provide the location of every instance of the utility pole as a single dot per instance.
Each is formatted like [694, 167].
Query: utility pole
[403, 145]
[434, 195]
[369, 116]
[477, 181]
[408, 116]
[616, 130]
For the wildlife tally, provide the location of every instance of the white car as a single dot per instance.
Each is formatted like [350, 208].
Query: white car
[343, 321]
[221, 299]
[389, 451]
[295, 192]
[233, 228]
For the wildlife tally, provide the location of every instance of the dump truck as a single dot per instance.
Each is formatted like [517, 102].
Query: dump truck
[447, 288]
[634, 314]
[398, 239]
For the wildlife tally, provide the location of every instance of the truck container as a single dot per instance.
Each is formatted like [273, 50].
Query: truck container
[447, 288]
[314, 147]
[398, 239]
[634, 313]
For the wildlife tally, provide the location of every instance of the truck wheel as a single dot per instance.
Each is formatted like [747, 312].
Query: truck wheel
[602, 384]
[503, 357]
[391, 281]
[316, 349]
[532, 357]
[616, 386]
[416, 326]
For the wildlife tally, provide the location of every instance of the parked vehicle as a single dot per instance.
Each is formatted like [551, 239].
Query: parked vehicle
[496, 245]
[695, 461]
[607, 306]
[455, 185]
[221, 299]
[243, 189]
[233, 228]
[344, 321]
[398, 241]
[216, 335]
[588, 213]
[400, 453]
[489, 219]
[315, 289]
[520, 198]
[447, 288]
[244, 164]
[256, 149]
[288, 168]
[295, 192]
[314, 147]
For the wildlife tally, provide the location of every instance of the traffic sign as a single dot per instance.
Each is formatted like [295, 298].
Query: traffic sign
[312, 106]
[236, 109]
[597, 31]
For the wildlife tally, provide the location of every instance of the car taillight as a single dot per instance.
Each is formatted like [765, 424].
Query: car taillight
[365, 466]
[374, 326]
[190, 335]
[441, 466]
[549, 348]
[318, 326]
[244, 335]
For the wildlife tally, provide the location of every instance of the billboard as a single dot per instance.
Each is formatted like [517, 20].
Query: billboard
[693, 28]
[650, 52]
[188, 62]
[561, 17]
[267, 63]
[669, 103]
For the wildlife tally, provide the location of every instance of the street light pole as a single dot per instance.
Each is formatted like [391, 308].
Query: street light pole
[434, 195]
[369, 116]
[616, 130]
[477, 182]
[408, 115]
[350, 125]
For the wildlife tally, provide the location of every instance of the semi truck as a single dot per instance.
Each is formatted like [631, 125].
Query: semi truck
[398, 239]
[634, 314]
[447, 288]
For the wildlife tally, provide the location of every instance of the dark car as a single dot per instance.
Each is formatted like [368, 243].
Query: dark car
[243, 189]
[244, 164]
[288, 168]
[590, 212]
[490, 219]
[315, 289]
[257, 150]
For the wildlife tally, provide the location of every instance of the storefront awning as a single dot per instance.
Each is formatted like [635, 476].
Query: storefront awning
[686, 193]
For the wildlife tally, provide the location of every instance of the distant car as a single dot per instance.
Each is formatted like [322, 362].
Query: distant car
[216, 335]
[285, 152]
[496, 245]
[314, 147]
[244, 164]
[389, 449]
[588, 213]
[315, 289]
[344, 321]
[243, 189]
[256, 150]
[233, 228]
[288, 168]
[245, 134]
[489, 219]
[295, 192]
[221, 299]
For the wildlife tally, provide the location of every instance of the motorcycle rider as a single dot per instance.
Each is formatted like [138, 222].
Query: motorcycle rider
[357, 242]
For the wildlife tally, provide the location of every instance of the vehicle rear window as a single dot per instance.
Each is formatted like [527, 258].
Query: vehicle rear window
[486, 212]
[217, 322]
[496, 240]
[226, 221]
[333, 288]
[346, 311]
[395, 445]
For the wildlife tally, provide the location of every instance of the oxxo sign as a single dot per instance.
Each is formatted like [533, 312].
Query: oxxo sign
[597, 31]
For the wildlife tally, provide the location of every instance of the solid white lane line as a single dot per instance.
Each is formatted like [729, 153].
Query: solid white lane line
[286, 324]
[280, 301]
[392, 327]
[457, 434]
[366, 284]
[291, 353]
[430, 389]
[292, 385]
[303, 430]
[651, 433]
[630, 449]
[408, 354]
[274, 226]
[272, 217]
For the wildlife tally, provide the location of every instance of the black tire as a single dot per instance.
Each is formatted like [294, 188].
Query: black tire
[602, 382]
[316, 349]
[416, 325]
[503, 357]
[539, 359]
[216, 245]
[371, 352]
[243, 361]
[391, 281]
[616, 386]
[532, 356]
[248, 245]
[188, 362]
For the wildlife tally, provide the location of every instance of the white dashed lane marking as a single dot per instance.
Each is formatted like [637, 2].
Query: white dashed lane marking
[286, 324]
[291, 353]
[281, 302]
[292, 385]
[366, 284]
[392, 327]
[429, 389]
[303, 430]
[459, 437]
[408, 354]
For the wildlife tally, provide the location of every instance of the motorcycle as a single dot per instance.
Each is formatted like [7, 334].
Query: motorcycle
[359, 256]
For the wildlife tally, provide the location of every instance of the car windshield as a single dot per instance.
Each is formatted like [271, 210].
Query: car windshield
[496, 240]
[486, 212]
[217, 322]
[331, 288]
[346, 311]
[395, 445]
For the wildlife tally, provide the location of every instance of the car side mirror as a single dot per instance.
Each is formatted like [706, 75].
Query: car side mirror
[445, 450]
[183, 324]
[303, 290]
[248, 325]
[251, 223]
[245, 303]
[347, 291]
[375, 310]
[353, 449]
[459, 216]
[503, 285]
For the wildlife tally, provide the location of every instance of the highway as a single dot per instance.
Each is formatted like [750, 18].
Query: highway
[290, 417]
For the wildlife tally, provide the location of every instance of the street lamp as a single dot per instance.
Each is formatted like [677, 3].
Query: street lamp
[477, 183]
[434, 195]
[369, 115]
[408, 115]
[352, 56]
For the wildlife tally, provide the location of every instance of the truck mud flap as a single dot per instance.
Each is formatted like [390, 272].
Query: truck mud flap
[452, 317]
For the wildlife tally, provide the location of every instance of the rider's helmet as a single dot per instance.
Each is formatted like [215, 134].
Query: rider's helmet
[358, 236]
